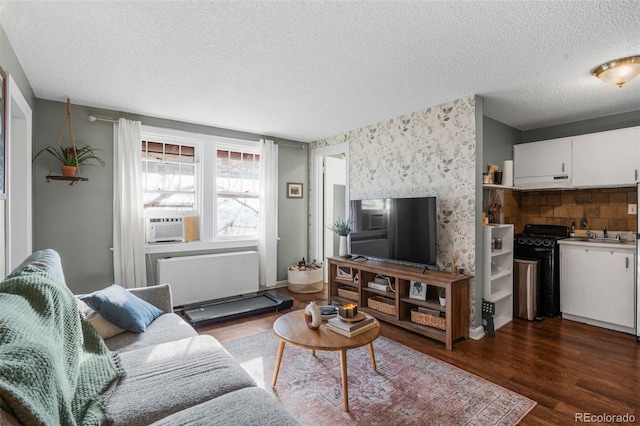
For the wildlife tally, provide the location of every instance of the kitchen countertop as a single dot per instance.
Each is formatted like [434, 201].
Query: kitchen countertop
[599, 242]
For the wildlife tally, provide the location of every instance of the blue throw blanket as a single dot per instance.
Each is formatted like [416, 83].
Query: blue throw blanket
[54, 368]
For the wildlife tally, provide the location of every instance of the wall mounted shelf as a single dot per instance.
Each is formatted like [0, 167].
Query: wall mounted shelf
[494, 186]
[72, 179]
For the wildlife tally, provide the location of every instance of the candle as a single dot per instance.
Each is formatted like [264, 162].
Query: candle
[348, 311]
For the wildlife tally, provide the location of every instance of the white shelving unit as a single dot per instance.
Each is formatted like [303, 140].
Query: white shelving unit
[494, 186]
[497, 279]
[489, 190]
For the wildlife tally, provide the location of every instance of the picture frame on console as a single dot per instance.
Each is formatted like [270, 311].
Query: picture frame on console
[417, 290]
[344, 272]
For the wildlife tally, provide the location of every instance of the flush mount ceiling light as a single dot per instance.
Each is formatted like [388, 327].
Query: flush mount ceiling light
[619, 71]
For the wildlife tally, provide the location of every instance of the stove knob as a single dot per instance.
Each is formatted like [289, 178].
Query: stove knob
[537, 242]
[529, 241]
[521, 240]
[547, 243]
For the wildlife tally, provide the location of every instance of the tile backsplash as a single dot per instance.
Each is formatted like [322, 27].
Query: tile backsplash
[600, 207]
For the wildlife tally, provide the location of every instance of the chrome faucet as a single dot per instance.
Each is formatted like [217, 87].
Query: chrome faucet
[604, 230]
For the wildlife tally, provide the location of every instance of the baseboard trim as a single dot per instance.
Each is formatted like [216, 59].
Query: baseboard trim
[476, 333]
[280, 284]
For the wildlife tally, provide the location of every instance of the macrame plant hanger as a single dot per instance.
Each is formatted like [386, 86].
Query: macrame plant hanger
[72, 144]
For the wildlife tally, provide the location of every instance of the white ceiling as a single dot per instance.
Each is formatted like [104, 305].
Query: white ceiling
[306, 70]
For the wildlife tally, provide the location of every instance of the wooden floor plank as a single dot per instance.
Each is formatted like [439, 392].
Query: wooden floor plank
[565, 366]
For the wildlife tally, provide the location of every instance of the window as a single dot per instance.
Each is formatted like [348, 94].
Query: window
[375, 204]
[214, 177]
[169, 176]
[237, 192]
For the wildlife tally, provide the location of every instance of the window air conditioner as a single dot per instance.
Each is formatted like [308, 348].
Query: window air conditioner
[165, 229]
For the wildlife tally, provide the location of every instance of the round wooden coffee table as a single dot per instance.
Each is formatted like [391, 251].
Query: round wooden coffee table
[292, 328]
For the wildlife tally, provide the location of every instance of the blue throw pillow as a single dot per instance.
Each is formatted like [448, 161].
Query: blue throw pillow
[122, 308]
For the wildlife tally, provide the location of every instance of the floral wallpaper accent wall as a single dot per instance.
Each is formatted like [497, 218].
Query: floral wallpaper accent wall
[426, 153]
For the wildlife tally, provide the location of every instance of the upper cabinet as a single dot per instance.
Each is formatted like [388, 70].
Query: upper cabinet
[606, 159]
[596, 160]
[545, 164]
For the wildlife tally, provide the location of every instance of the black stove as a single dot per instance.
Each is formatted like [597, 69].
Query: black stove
[540, 243]
[542, 235]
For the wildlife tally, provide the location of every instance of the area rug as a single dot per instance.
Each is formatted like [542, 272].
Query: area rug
[409, 387]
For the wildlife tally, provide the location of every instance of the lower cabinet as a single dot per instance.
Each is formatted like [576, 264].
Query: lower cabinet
[408, 297]
[597, 286]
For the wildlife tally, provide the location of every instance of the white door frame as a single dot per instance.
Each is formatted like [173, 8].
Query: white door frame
[317, 200]
[18, 178]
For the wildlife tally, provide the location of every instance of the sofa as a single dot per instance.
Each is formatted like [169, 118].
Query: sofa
[62, 371]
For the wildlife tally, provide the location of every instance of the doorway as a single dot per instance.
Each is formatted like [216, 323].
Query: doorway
[335, 204]
[330, 186]
[18, 182]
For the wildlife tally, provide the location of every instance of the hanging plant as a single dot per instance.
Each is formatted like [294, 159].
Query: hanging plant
[73, 155]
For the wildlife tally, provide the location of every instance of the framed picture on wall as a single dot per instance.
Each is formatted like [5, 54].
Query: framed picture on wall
[417, 290]
[294, 190]
[3, 127]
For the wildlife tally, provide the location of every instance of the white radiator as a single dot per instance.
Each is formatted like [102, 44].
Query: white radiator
[196, 279]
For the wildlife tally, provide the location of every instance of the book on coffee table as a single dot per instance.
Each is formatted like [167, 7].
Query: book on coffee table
[352, 333]
[349, 326]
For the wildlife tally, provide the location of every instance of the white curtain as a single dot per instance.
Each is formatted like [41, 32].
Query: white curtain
[268, 243]
[128, 219]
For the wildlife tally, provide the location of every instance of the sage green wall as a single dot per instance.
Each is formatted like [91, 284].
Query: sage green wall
[498, 142]
[77, 221]
[293, 213]
[600, 124]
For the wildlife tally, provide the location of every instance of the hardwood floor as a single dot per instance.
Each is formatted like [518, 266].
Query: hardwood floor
[566, 367]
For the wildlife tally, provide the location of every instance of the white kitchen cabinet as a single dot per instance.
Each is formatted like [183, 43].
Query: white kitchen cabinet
[606, 159]
[544, 164]
[497, 272]
[597, 285]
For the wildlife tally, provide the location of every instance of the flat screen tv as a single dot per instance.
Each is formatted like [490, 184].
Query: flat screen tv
[399, 229]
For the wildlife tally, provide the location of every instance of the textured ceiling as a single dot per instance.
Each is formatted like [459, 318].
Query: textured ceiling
[306, 70]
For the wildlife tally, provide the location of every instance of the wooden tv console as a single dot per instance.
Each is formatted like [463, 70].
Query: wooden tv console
[348, 283]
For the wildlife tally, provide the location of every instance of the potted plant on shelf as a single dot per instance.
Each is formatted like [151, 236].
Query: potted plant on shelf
[72, 156]
[342, 228]
[442, 294]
